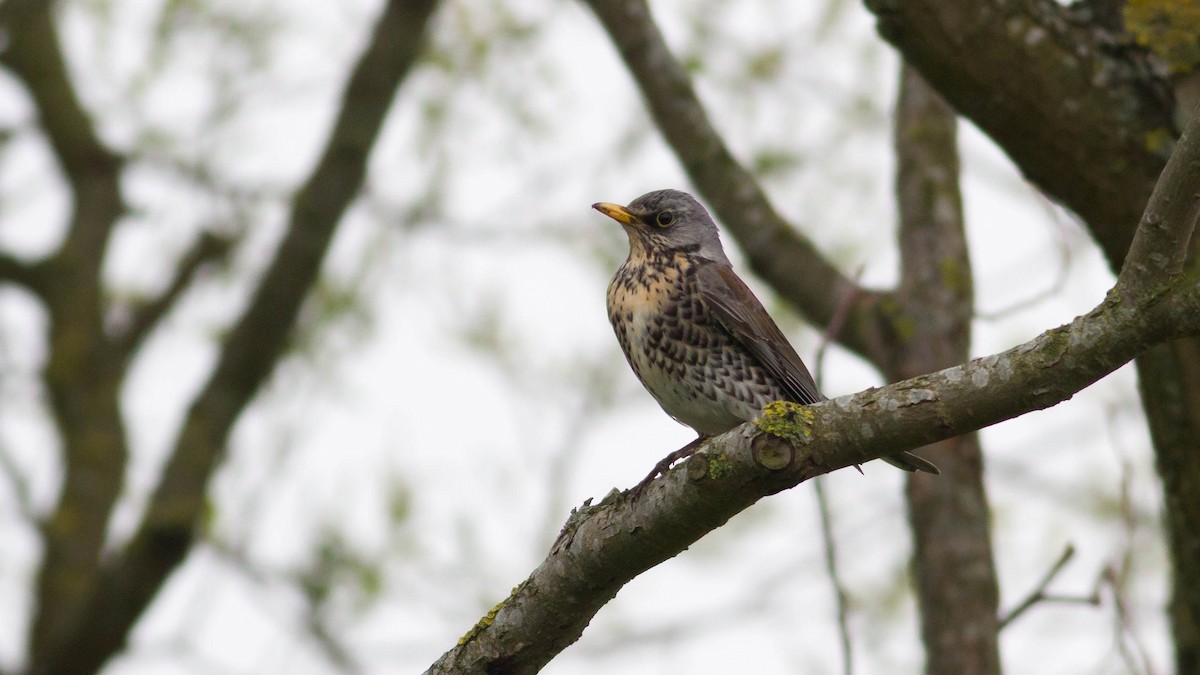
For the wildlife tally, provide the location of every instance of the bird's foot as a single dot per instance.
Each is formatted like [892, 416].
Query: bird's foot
[665, 465]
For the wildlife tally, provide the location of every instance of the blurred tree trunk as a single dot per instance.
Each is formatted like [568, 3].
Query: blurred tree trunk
[1089, 117]
[1169, 381]
[957, 591]
[88, 599]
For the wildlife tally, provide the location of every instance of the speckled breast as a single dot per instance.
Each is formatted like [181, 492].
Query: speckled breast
[692, 366]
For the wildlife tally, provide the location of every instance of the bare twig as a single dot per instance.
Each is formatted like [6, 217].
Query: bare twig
[1062, 272]
[207, 248]
[1125, 640]
[1039, 594]
[1125, 637]
[19, 483]
[833, 329]
[829, 544]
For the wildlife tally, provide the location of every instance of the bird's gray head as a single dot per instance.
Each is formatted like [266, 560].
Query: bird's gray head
[667, 220]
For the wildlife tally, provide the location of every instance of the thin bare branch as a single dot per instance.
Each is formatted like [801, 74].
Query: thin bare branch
[1059, 218]
[1132, 652]
[833, 329]
[1039, 594]
[207, 248]
[20, 485]
[1116, 576]
[841, 597]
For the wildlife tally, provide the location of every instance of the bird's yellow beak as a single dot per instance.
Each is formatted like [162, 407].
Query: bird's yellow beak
[615, 211]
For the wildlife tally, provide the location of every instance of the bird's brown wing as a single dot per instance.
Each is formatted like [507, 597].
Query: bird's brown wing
[734, 306]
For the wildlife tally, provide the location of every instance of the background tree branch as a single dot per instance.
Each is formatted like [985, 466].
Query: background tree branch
[80, 375]
[21, 272]
[106, 605]
[34, 54]
[1076, 107]
[207, 248]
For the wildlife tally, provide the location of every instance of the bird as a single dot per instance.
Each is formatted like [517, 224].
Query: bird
[694, 334]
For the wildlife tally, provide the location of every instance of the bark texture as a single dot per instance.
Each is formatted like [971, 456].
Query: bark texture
[956, 585]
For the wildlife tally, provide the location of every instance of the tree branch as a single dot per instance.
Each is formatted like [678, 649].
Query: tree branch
[256, 342]
[82, 380]
[935, 265]
[1163, 238]
[840, 596]
[603, 546]
[207, 248]
[1075, 109]
[34, 54]
[1038, 594]
[22, 273]
[1169, 383]
[776, 251]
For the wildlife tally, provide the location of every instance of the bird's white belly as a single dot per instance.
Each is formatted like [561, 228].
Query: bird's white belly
[688, 393]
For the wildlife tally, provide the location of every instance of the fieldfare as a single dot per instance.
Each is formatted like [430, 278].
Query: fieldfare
[693, 332]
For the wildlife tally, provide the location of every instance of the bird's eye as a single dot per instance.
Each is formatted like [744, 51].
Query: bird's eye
[664, 218]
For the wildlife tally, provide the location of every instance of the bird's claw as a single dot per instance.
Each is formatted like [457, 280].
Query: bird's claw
[664, 465]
